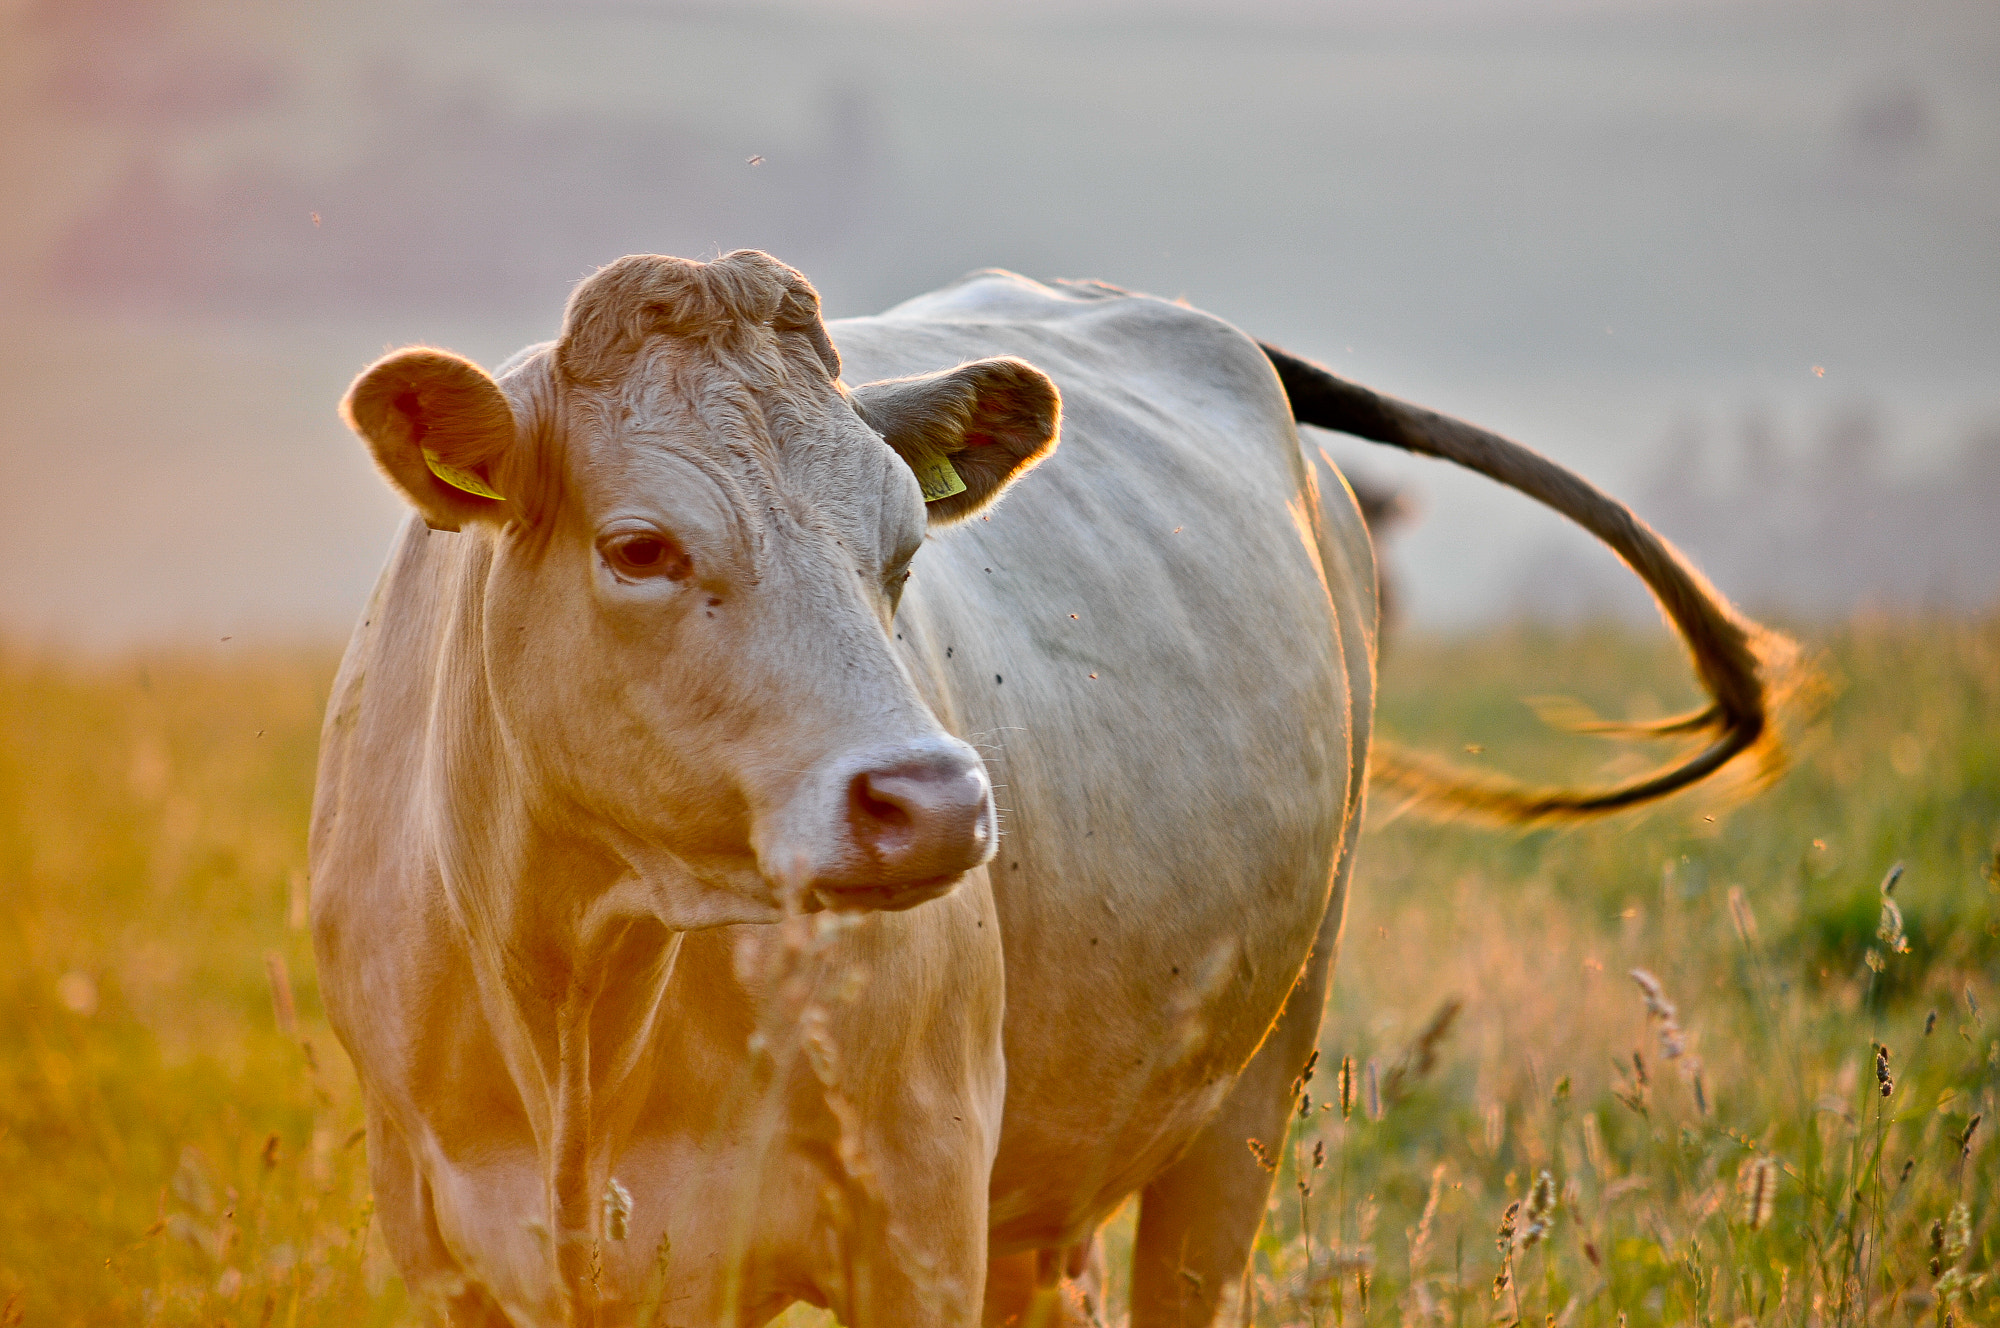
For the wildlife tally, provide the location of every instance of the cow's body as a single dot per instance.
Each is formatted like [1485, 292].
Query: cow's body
[1163, 646]
[1164, 643]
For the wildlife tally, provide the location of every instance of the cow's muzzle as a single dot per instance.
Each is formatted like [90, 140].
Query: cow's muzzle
[915, 819]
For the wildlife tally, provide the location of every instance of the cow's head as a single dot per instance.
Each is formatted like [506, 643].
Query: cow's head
[693, 540]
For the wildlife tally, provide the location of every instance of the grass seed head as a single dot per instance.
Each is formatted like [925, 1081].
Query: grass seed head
[1420, 1057]
[1760, 1192]
[1666, 1019]
[1884, 1079]
[1262, 1154]
[1890, 929]
[617, 1210]
[1958, 1233]
[1593, 1145]
[1420, 1239]
[1503, 1240]
[1541, 1213]
[1346, 1087]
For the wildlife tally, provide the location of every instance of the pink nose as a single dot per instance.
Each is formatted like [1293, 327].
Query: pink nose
[921, 819]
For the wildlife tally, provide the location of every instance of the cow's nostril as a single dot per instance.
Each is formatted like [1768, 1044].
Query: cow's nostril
[870, 804]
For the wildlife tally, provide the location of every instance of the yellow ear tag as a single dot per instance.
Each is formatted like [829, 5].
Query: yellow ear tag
[464, 479]
[936, 476]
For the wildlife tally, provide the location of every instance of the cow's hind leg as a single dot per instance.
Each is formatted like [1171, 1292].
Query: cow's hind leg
[1198, 1218]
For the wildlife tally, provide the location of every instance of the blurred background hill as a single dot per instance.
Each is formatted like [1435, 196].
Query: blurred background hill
[1737, 262]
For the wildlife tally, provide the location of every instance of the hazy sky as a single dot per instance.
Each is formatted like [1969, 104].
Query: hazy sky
[1583, 223]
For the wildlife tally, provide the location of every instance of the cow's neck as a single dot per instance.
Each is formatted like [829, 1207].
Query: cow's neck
[542, 919]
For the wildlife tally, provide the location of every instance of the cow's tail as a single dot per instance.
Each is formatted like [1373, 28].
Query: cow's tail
[1743, 666]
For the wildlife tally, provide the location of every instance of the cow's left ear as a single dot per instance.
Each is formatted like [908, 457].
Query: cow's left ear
[967, 432]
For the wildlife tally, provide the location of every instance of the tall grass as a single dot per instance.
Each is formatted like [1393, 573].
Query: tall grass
[1669, 1036]
[179, 1133]
[177, 1146]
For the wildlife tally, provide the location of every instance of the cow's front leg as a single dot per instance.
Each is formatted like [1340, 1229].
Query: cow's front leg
[1198, 1218]
[403, 1208]
[915, 1231]
[1052, 1288]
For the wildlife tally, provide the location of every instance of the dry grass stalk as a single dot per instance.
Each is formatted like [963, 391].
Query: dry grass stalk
[1420, 1057]
[1632, 1092]
[283, 1006]
[1594, 1151]
[103, 1103]
[1740, 914]
[1665, 1017]
[1300, 1085]
[1504, 1241]
[1420, 1239]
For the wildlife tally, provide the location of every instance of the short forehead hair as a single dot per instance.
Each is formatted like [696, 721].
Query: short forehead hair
[748, 309]
[736, 348]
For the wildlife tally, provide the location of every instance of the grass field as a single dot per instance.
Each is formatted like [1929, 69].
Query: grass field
[179, 1134]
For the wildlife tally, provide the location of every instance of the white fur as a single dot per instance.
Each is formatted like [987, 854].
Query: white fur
[561, 821]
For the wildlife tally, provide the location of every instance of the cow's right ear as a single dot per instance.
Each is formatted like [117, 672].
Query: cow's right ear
[438, 426]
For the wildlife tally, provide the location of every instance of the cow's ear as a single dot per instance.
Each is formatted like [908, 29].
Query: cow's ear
[439, 427]
[967, 432]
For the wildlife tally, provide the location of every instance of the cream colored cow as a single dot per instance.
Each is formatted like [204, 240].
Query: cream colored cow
[739, 880]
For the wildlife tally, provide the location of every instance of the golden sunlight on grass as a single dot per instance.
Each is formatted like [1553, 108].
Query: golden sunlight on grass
[1715, 1141]
[1666, 1053]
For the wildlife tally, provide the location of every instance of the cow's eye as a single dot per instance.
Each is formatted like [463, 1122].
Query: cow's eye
[645, 556]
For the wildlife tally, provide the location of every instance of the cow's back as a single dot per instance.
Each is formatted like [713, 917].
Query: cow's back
[1163, 642]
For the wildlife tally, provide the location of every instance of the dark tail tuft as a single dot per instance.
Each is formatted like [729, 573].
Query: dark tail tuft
[1743, 666]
